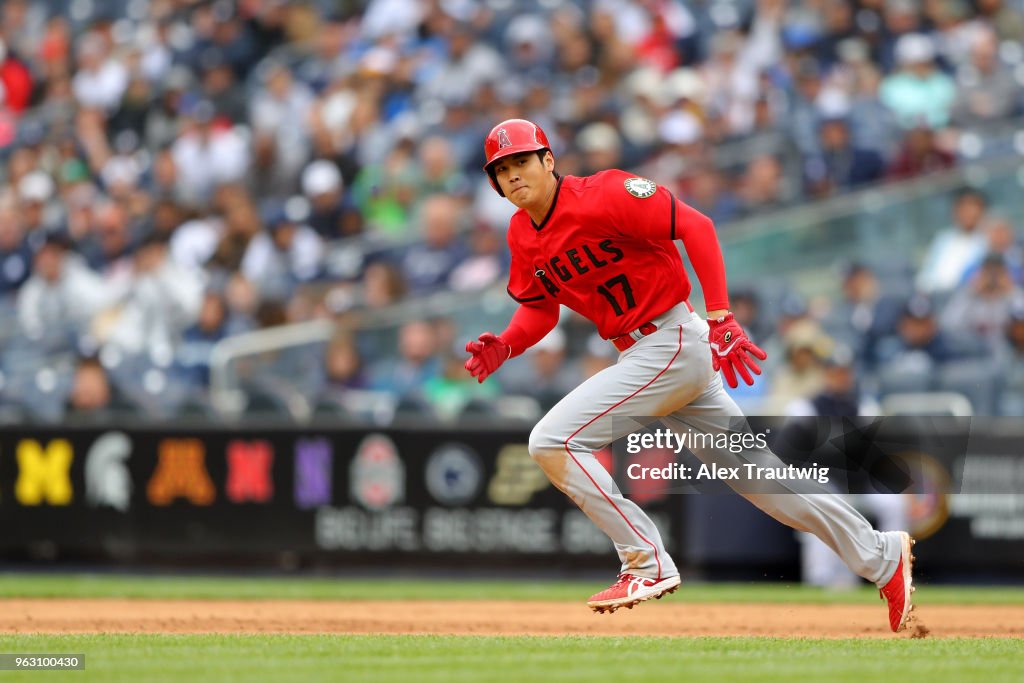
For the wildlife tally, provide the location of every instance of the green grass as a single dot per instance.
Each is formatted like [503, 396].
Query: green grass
[448, 659]
[245, 588]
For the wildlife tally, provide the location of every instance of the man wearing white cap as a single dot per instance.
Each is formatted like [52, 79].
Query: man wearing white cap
[918, 93]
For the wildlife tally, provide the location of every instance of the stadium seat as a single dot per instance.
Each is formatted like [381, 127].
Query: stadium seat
[899, 378]
[977, 379]
[935, 403]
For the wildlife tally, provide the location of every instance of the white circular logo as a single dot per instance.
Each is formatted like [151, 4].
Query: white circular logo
[377, 473]
[642, 188]
[453, 474]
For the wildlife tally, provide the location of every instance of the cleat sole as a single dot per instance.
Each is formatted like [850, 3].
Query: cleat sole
[601, 609]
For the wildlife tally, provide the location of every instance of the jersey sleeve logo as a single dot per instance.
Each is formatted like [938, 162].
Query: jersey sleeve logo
[641, 188]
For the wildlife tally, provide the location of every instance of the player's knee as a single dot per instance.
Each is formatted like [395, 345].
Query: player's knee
[550, 455]
[543, 445]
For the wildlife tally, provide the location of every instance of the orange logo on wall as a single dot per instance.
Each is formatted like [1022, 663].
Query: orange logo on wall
[44, 474]
[180, 473]
[249, 471]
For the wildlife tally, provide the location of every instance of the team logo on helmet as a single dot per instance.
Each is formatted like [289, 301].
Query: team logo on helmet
[641, 188]
[503, 140]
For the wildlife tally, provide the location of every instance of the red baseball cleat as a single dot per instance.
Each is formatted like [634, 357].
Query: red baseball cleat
[900, 587]
[629, 590]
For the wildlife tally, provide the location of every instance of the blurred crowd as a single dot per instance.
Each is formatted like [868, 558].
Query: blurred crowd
[175, 172]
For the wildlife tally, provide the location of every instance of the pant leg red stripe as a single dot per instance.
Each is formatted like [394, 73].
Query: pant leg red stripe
[596, 485]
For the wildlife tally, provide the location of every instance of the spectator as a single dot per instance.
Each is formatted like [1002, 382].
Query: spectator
[762, 187]
[485, 265]
[469, 64]
[332, 216]
[919, 154]
[806, 106]
[242, 299]
[100, 80]
[240, 223]
[426, 265]
[919, 94]
[383, 285]
[839, 395]
[872, 125]
[57, 303]
[199, 339]
[982, 309]
[986, 89]
[384, 193]
[39, 213]
[1002, 239]
[803, 374]
[601, 147]
[954, 249]
[109, 246]
[281, 141]
[15, 255]
[207, 154]
[219, 86]
[129, 119]
[285, 255]
[866, 315]
[769, 135]
[438, 171]
[839, 165]
[16, 80]
[709, 192]
[162, 302]
[417, 363]
[1011, 360]
[746, 308]
[1004, 17]
[918, 343]
[92, 393]
[343, 367]
[453, 388]
[546, 372]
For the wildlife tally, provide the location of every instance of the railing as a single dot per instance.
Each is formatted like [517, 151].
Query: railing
[226, 394]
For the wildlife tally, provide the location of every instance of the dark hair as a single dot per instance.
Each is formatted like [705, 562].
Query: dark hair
[971, 193]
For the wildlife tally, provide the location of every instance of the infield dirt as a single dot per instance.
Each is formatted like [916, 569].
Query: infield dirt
[505, 618]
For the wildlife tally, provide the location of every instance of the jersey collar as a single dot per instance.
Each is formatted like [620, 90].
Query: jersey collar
[551, 209]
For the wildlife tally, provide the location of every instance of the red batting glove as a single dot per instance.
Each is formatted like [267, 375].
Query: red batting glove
[731, 349]
[488, 353]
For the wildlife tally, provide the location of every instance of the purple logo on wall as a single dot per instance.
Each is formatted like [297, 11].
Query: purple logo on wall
[313, 468]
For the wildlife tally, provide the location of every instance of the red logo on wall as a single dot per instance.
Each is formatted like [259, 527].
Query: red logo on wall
[249, 479]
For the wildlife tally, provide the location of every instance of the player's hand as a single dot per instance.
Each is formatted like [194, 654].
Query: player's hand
[488, 353]
[731, 350]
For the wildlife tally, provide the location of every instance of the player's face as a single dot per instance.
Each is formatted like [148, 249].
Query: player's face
[525, 179]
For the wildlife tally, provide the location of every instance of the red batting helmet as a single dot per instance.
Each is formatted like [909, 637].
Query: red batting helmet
[513, 136]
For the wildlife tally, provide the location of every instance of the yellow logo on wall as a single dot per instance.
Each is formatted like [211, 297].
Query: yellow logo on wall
[44, 474]
[516, 478]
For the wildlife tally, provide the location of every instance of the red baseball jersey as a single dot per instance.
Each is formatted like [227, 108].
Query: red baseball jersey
[606, 251]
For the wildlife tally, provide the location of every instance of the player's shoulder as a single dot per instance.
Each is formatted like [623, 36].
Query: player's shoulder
[519, 222]
[618, 183]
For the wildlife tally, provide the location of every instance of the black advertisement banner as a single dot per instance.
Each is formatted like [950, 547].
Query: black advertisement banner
[396, 498]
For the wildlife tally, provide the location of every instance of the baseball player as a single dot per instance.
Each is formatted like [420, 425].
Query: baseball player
[603, 245]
